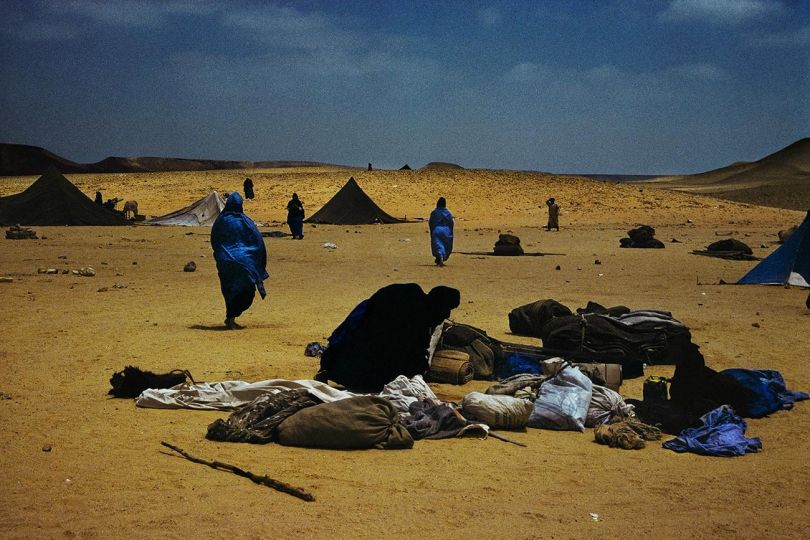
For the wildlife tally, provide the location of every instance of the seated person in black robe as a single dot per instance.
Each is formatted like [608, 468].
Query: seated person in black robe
[386, 336]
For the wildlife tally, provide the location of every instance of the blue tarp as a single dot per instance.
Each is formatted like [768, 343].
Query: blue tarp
[239, 251]
[722, 434]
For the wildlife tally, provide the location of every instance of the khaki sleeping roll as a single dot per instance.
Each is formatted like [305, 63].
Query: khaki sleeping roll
[451, 367]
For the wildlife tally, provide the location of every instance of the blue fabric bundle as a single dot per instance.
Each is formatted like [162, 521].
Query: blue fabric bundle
[769, 388]
[441, 233]
[517, 363]
[722, 434]
[239, 251]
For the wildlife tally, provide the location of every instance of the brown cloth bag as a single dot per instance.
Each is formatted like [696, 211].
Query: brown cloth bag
[348, 424]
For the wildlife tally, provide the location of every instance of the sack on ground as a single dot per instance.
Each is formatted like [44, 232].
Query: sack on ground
[497, 411]
[349, 424]
[562, 402]
[606, 407]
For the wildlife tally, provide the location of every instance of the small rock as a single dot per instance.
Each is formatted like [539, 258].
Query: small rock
[87, 271]
[763, 246]
[134, 263]
[103, 289]
[597, 261]
[689, 221]
[63, 256]
[190, 266]
[755, 325]
[41, 270]
[6, 279]
[120, 286]
[557, 267]
[65, 271]
[51, 271]
[119, 274]
[46, 447]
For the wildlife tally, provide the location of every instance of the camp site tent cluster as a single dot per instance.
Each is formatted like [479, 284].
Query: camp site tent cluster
[201, 212]
[788, 265]
[53, 200]
[351, 206]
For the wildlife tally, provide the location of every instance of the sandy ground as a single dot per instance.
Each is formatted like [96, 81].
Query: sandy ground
[107, 477]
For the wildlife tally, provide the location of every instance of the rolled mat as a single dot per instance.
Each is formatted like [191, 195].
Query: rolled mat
[452, 367]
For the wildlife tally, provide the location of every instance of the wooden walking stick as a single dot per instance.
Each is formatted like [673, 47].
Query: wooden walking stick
[263, 480]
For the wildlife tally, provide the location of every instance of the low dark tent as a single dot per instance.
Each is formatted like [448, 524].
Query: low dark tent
[53, 200]
[405, 167]
[351, 206]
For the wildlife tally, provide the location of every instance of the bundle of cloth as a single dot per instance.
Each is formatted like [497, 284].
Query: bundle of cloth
[495, 359]
[312, 414]
[728, 248]
[616, 334]
[508, 245]
[706, 408]
[641, 237]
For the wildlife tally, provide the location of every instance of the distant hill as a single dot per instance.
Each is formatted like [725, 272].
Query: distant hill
[23, 160]
[781, 179]
[615, 177]
[439, 165]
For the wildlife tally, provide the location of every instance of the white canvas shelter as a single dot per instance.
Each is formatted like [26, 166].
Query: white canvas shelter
[202, 212]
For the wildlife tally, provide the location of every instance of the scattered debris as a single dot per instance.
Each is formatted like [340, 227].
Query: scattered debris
[755, 325]
[103, 289]
[15, 232]
[314, 348]
[6, 279]
[86, 271]
[190, 266]
[597, 261]
[329, 245]
[46, 447]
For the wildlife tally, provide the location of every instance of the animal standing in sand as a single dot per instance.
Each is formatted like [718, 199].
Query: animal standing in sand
[130, 209]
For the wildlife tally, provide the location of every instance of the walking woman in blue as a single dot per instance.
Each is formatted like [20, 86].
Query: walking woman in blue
[441, 232]
[241, 258]
[295, 217]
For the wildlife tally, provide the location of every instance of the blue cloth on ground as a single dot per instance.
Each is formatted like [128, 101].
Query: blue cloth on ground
[771, 394]
[441, 233]
[239, 251]
[517, 363]
[722, 434]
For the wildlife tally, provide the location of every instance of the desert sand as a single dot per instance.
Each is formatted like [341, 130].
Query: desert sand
[107, 477]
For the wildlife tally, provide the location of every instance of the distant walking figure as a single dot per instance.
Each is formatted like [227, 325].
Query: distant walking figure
[295, 217]
[99, 199]
[241, 258]
[441, 232]
[553, 215]
[369, 166]
[247, 187]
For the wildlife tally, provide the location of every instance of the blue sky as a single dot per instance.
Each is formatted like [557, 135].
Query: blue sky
[635, 87]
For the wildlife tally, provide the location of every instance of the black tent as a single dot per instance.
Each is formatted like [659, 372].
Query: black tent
[351, 206]
[53, 200]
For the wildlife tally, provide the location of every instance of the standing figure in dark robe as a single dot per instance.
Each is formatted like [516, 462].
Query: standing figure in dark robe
[295, 217]
[99, 199]
[553, 215]
[247, 187]
[241, 258]
[385, 336]
[441, 232]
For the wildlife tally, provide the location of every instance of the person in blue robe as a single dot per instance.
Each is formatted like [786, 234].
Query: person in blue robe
[441, 232]
[295, 217]
[241, 258]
